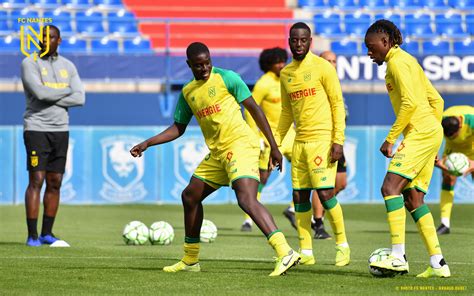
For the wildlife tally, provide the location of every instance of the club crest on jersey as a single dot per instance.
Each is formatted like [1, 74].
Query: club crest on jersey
[63, 73]
[122, 173]
[34, 159]
[211, 91]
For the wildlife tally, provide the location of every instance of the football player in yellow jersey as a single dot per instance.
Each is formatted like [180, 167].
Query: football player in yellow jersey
[312, 99]
[266, 93]
[214, 97]
[418, 108]
[458, 126]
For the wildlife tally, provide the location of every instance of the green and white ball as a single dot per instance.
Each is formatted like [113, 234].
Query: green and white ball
[208, 231]
[135, 233]
[161, 233]
[379, 255]
[457, 163]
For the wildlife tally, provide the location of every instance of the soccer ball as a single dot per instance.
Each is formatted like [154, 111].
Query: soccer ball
[457, 163]
[161, 233]
[379, 255]
[135, 233]
[208, 231]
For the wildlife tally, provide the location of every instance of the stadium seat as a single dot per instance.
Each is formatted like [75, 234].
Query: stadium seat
[345, 47]
[77, 4]
[73, 45]
[357, 24]
[312, 3]
[45, 3]
[436, 47]
[411, 47]
[419, 25]
[470, 23]
[14, 3]
[373, 4]
[122, 23]
[104, 45]
[137, 46]
[9, 44]
[65, 28]
[394, 18]
[4, 26]
[58, 15]
[434, 4]
[462, 4]
[450, 25]
[90, 23]
[463, 48]
[328, 25]
[343, 4]
[24, 13]
[109, 3]
[404, 4]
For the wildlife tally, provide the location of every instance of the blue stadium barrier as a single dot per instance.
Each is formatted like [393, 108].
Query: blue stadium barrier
[101, 171]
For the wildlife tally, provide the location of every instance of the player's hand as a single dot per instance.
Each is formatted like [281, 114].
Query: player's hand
[470, 170]
[386, 149]
[336, 152]
[276, 160]
[138, 150]
[439, 162]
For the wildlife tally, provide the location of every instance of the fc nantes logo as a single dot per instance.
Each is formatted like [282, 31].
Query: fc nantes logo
[26, 39]
[318, 160]
[63, 73]
[34, 159]
[211, 91]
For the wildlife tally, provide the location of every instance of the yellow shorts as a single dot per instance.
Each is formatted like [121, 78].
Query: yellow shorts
[286, 149]
[415, 157]
[311, 167]
[225, 168]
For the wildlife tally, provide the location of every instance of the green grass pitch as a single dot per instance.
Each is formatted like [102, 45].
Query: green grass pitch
[99, 262]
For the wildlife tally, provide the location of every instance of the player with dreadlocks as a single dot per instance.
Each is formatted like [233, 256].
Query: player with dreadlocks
[418, 108]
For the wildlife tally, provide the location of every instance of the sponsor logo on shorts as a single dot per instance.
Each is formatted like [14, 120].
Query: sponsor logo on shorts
[229, 155]
[318, 160]
[324, 178]
[33, 159]
[398, 164]
[400, 148]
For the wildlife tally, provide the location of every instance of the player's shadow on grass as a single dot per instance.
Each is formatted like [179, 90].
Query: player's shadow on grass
[384, 231]
[12, 244]
[251, 234]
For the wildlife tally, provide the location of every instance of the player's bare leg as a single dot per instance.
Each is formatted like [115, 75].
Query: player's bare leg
[51, 204]
[192, 197]
[446, 202]
[248, 222]
[32, 203]
[341, 182]
[246, 192]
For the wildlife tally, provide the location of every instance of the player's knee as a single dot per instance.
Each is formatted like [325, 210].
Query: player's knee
[36, 183]
[388, 189]
[53, 184]
[187, 197]
[341, 186]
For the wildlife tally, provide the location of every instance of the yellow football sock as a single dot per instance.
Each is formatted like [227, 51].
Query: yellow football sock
[303, 215]
[446, 201]
[191, 250]
[396, 217]
[424, 222]
[278, 242]
[336, 219]
[259, 195]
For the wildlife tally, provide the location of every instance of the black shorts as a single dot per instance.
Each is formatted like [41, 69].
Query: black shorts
[341, 164]
[46, 151]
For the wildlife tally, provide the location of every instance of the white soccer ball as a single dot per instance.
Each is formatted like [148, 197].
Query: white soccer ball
[208, 231]
[135, 233]
[457, 163]
[379, 255]
[161, 233]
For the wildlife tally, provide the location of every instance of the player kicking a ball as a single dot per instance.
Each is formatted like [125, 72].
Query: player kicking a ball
[418, 108]
[311, 97]
[213, 97]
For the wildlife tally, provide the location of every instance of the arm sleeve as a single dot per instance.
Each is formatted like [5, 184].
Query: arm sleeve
[404, 82]
[258, 95]
[30, 76]
[333, 90]
[286, 117]
[236, 86]
[77, 97]
[435, 100]
[183, 112]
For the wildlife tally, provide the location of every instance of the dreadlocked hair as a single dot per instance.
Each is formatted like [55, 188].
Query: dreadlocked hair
[270, 57]
[389, 28]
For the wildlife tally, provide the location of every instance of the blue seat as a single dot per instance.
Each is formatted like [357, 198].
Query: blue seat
[312, 3]
[137, 46]
[345, 47]
[328, 25]
[46, 3]
[357, 24]
[470, 23]
[9, 44]
[15, 3]
[77, 4]
[373, 4]
[58, 15]
[463, 48]
[90, 23]
[434, 4]
[122, 23]
[22, 14]
[436, 47]
[343, 4]
[462, 4]
[65, 28]
[104, 46]
[394, 18]
[419, 25]
[109, 3]
[4, 24]
[450, 25]
[404, 4]
[411, 47]
[73, 45]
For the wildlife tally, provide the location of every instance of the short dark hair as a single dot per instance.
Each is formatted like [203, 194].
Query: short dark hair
[389, 28]
[300, 25]
[270, 57]
[56, 28]
[195, 49]
[451, 125]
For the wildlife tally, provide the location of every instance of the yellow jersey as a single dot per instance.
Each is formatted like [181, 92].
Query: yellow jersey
[216, 105]
[464, 141]
[311, 97]
[417, 104]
